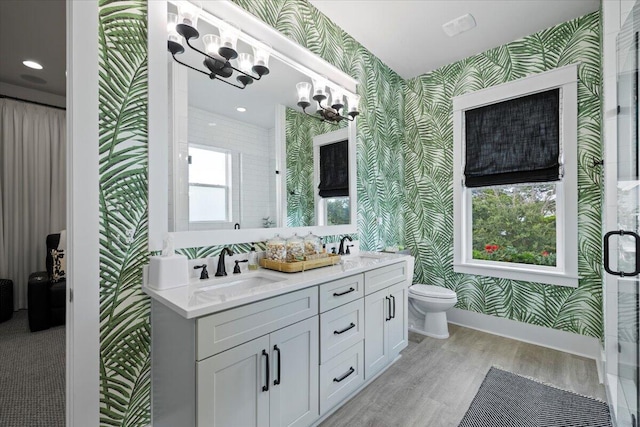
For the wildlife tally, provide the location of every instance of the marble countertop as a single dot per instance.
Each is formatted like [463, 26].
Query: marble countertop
[202, 297]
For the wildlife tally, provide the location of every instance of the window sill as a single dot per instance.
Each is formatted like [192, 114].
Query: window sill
[519, 273]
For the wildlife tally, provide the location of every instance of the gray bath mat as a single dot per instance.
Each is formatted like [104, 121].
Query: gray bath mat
[509, 400]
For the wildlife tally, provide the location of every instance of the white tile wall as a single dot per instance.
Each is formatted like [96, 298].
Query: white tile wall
[256, 153]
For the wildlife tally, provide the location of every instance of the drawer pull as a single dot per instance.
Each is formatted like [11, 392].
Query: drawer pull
[386, 319]
[345, 375]
[266, 387]
[394, 306]
[351, 326]
[339, 294]
[277, 381]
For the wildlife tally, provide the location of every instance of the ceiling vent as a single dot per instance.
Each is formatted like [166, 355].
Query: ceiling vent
[459, 25]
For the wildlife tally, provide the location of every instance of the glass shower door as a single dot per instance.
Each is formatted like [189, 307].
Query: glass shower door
[622, 246]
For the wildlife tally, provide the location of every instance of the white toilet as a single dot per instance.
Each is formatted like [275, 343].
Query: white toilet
[427, 309]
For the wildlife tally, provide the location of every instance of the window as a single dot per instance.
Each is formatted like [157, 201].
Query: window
[209, 184]
[331, 177]
[515, 180]
[337, 210]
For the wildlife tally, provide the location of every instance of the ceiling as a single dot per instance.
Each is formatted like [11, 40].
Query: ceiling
[35, 29]
[407, 35]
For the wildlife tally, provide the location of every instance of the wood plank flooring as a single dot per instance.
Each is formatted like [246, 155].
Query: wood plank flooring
[435, 381]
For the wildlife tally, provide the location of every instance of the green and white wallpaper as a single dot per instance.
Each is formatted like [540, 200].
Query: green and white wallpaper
[300, 130]
[428, 154]
[413, 203]
[124, 310]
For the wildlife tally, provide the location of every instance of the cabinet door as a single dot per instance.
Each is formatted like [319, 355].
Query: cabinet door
[376, 349]
[294, 380]
[229, 387]
[397, 326]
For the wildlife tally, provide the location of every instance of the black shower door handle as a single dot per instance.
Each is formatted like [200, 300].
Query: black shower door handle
[606, 253]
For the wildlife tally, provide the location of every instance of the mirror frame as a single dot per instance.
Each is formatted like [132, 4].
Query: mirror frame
[287, 51]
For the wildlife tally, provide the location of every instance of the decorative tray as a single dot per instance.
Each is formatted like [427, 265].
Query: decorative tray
[298, 266]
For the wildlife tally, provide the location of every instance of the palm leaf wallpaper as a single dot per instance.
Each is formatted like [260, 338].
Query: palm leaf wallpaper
[404, 158]
[428, 154]
[124, 310]
[300, 130]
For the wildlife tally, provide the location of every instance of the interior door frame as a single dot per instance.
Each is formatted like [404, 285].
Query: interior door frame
[82, 336]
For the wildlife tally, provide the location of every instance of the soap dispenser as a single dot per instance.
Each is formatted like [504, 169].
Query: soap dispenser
[253, 259]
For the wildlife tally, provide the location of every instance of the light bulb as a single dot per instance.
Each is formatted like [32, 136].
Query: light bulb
[189, 12]
[261, 55]
[319, 86]
[245, 62]
[353, 103]
[229, 35]
[337, 97]
[211, 45]
[172, 20]
[303, 89]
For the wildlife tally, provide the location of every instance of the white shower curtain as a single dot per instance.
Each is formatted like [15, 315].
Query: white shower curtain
[32, 188]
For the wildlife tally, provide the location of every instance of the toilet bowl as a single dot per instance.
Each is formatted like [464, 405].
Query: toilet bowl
[427, 309]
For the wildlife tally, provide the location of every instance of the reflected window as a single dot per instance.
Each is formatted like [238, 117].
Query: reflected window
[337, 211]
[209, 184]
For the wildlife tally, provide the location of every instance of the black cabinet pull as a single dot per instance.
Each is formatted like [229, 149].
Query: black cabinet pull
[351, 326]
[266, 387]
[394, 306]
[339, 294]
[345, 375]
[386, 319]
[277, 380]
[606, 252]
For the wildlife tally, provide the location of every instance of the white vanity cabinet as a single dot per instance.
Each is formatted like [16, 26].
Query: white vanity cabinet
[386, 332]
[269, 381]
[290, 359]
[253, 365]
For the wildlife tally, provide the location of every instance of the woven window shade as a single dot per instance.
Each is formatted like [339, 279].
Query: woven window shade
[334, 170]
[513, 142]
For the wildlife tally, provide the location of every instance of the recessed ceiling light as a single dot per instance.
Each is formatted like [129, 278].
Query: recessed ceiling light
[32, 64]
[241, 109]
[459, 25]
[212, 124]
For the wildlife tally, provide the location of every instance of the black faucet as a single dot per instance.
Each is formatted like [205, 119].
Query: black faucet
[221, 269]
[204, 274]
[236, 269]
[341, 249]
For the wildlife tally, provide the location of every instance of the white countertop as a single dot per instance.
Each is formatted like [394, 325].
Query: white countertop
[202, 297]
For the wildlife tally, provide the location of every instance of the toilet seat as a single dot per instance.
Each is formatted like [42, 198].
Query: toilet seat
[431, 291]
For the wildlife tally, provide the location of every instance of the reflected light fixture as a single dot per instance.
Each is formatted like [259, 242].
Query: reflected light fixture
[328, 109]
[219, 50]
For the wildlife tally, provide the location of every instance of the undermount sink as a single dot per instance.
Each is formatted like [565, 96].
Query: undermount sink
[236, 283]
[362, 259]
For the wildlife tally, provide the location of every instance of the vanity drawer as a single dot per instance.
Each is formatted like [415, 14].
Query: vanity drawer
[384, 277]
[341, 376]
[340, 329]
[342, 291]
[222, 331]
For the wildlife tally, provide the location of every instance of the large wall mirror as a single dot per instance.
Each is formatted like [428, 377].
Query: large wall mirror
[231, 165]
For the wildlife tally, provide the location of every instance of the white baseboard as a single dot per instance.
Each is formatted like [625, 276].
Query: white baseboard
[568, 342]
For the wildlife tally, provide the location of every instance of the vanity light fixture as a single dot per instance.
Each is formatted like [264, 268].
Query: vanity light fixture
[219, 50]
[330, 111]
